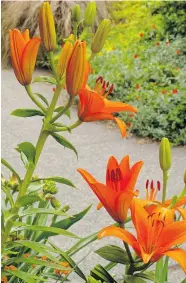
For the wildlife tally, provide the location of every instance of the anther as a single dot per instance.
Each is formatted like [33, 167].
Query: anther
[152, 185]
[99, 79]
[111, 88]
[113, 176]
[147, 184]
[158, 185]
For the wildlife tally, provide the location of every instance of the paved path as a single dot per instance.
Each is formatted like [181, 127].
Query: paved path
[95, 142]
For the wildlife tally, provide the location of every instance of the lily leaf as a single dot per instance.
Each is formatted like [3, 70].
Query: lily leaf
[57, 180]
[27, 200]
[45, 79]
[27, 113]
[100, 273]
[64, 224]
[64, 142]
[113, 254]
[42, 98]
[28, 149]
[31, 211]
[5, 163]
[25, 276]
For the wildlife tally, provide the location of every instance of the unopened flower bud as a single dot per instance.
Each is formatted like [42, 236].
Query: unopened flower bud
[65, 55]
[76, 68]
[100, 36]
[55, 203]
[47, 27]
[165, 158]
[50, 188]
[76, 13]
[90, 13]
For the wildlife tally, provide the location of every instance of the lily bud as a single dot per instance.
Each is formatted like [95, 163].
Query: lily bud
[100, 36]
[47, 27]
[90, 13]
[76, 68]
[65, 55]
[50, 188]
[55, 203]
[76, 13]
[165, 158]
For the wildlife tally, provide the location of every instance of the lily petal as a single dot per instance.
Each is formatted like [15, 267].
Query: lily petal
[116, 106]
[122, 204]
[173, 234]
[125, 164]
[121, 126]
[178, 255]
[28, 58]
[182, 211]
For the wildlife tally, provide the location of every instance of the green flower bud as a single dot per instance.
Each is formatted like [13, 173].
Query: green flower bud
[55, 203]
[100, 36]
[76, 13]
[50, 188]
[65, 208]
[90, 13]
[165, 158]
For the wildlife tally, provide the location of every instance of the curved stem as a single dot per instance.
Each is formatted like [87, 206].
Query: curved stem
[63, 129]
[69, 103]
[34, 99]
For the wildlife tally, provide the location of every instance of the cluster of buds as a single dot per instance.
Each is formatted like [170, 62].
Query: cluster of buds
[11, 184]
[50, 187]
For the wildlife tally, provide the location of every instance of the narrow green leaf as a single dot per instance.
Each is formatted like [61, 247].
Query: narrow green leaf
[99, 273]
[147, 275]
[32, 211]
[29, 278]
[113, 254]
[67, 258]
[27, 200]
[64, 224]
[184, 281]
[28, 149]
[24, 159]
[5, 163]
[45, 79]
[26, 113]
[42, 98]
[64, 142]
[8, 195]
[57, 180]
[67, 112]
[56, 231]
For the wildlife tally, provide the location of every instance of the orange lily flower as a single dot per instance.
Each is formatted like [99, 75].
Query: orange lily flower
[94, 105]
[116, 196]
[23, 53]
[151, 205]
[155, 238]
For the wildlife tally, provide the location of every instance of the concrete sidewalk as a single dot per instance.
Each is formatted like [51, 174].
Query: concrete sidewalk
[95, 142]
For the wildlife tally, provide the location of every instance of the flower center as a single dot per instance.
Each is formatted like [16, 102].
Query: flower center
[152, 190]
[102, 87]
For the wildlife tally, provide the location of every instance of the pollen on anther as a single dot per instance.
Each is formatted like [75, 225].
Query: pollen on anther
[158, 185]
[99, 79]
[152, 185]
[147, 184]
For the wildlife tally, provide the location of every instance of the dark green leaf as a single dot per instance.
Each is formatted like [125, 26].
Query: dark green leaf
[27, 200]
[113, 254]
[42, 98]
[59, 108]
[27, 112]
[29, 278]
[44, 79]
[28, 149]
[64, 224]
[64, 142]
[24, 159]
[5, 163]
[100, 273]
[57, 180]
[67, 258]
[147, 275]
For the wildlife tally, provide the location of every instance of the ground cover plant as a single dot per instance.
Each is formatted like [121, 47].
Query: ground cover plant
[31, 212]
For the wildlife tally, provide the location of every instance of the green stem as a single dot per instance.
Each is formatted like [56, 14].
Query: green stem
[165, 179]
[75, 31]
[127, 247]
[62, 129]
[69, 103]
[34, 99]
[51, 57]
[53, 102]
